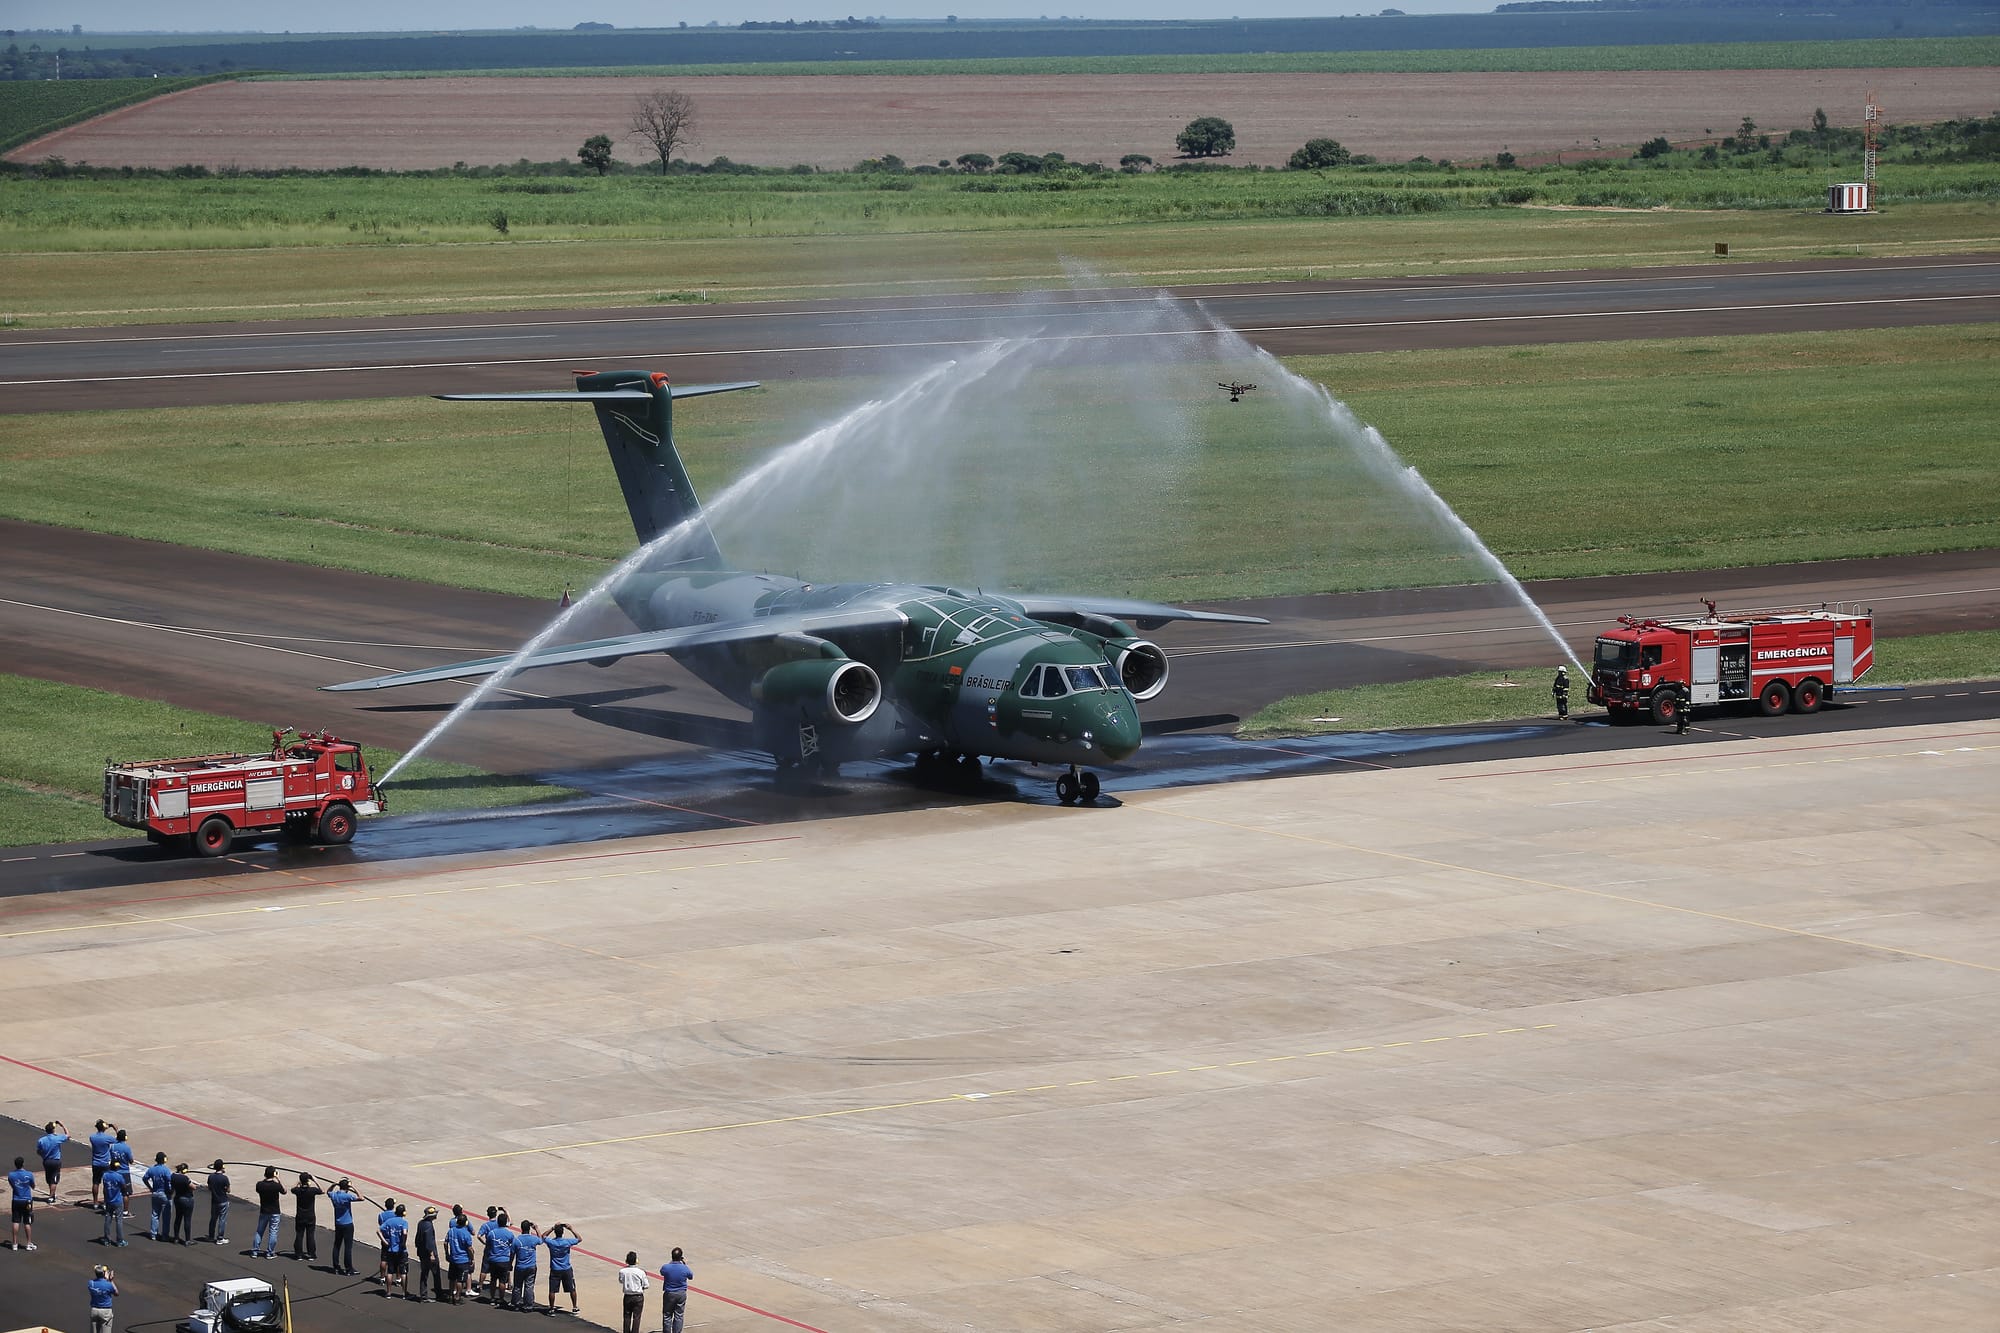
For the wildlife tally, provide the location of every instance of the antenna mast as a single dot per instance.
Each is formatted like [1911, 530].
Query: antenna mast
[1871, 139]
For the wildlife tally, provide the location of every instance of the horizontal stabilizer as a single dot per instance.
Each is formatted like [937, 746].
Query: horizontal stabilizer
[1127, 608]
[608, 650]
[596, 396]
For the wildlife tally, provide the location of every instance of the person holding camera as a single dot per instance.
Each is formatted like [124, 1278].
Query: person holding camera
[102, 1292]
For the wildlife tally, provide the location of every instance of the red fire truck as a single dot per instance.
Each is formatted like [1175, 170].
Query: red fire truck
[310, 788]
[1784, 660]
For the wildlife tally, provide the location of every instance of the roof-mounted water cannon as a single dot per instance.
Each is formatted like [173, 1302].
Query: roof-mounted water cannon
[1710, 604]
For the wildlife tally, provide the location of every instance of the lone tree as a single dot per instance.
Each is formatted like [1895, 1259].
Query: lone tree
[664, 121]
[1209, 136]
[974, 162]
[596, 153]
[1319, 153]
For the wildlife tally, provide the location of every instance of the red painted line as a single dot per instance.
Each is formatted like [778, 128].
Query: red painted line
[1688, 755]
[339, 1171]
[362, 882]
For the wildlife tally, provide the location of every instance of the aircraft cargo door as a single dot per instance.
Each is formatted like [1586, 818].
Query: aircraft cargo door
[1705, 682]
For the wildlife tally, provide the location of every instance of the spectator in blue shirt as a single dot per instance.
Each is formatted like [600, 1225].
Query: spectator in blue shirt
[49, 1148]
[527, 1262]
[114, 1184]
[562, 1238]
[102, 1291]
[382, 1268]
[101, 1140]
[500, 1263]
[121, 1151]
[22, 1181]
[395, 1234]
[159, 1181]
[674, 1278]
[343, 1198]
[458, 1253]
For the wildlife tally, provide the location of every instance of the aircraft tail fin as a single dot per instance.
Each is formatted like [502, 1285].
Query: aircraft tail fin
[635, 410]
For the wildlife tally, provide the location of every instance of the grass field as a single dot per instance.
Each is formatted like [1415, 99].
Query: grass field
[54, 739]
[1569, 459]
[1896, 52]
[96, 287]
[82, 214]
[1464, 700]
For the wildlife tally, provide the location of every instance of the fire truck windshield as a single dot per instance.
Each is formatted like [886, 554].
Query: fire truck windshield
[1617, 655]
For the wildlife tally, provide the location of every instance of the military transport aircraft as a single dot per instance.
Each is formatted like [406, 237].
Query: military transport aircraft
[842, 671]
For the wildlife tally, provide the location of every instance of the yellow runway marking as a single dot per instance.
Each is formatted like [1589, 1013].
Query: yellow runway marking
[944, 1100]
[377, 898]
[1603, 894]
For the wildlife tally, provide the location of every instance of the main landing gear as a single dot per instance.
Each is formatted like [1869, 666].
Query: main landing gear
[1075, 786]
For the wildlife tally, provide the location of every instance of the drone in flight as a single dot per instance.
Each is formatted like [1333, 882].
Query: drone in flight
[1236, 391]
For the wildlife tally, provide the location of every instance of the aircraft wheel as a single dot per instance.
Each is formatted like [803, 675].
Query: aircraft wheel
[970, 763]
[336, 826]
[1088, 783]
[1066, 789]
[213, 837]
[1774, 699]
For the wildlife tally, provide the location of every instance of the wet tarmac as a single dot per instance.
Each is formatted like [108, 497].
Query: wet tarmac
[735, 791]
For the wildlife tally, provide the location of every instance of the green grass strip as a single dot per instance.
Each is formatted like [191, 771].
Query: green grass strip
[1449, 701]
[56, 738]
[1569, 459]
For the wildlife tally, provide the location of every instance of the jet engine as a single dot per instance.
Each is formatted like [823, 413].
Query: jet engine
[837, 689]
[1141, 665]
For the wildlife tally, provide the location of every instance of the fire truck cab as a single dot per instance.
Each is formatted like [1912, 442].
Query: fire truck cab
[1782, 661]
[310, 788]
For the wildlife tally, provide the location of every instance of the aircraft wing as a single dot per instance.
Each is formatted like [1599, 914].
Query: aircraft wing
[647, 641]
[1126, 608]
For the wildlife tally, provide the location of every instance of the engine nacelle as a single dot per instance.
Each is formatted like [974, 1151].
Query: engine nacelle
[837, 689]
[1141, 665]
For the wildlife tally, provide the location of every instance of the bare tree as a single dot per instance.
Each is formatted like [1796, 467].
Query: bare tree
[664, 120]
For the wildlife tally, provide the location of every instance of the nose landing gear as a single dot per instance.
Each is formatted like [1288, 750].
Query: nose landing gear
[1074, 786]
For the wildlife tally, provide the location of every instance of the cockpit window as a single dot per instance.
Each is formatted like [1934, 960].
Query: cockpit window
[1084, 678]
[1052, 683]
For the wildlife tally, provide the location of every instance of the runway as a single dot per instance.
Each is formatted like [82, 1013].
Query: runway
[288, 361]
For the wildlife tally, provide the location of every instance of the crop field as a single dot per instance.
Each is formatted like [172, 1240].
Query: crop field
[32, 107]
[835, 123]
[835, 47]
[1894, 52]
[503, 498]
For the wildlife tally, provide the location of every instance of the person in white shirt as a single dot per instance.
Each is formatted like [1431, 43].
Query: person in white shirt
[632, 1281]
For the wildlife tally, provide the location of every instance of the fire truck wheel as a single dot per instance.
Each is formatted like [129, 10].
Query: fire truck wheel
[1806, 698]
[213, 837]
[336, 826]
[1775, 699]
[1666, 706]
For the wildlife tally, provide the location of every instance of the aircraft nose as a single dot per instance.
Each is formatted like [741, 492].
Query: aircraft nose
[1118, 734]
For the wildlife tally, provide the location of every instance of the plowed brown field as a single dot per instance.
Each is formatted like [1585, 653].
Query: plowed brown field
[834, 121]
